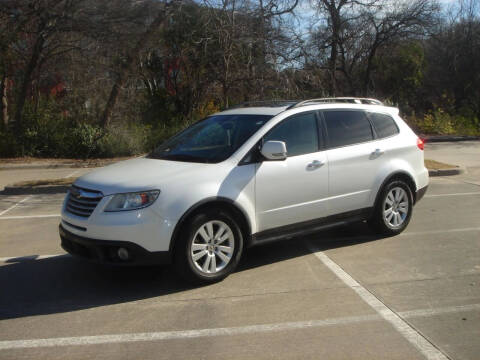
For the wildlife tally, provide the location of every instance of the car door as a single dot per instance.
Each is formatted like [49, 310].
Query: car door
[295, 189]
[354, 159]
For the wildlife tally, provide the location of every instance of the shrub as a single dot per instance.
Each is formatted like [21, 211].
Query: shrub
[124, 141]
[440, 122]
[45, 128]
[83, 141]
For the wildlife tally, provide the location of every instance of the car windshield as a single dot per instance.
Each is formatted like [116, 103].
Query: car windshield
[211, 140]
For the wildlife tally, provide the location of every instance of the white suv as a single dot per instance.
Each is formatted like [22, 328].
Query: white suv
[245, 176]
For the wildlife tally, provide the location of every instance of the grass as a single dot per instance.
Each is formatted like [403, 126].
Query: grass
[437, 165]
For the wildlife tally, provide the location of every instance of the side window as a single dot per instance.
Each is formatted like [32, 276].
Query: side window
[299, 133]
[347, 127]
[384, 124]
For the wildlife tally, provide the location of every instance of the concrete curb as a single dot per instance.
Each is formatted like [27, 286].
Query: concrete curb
[446, 172]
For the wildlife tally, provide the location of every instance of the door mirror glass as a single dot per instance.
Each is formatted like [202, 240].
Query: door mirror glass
[274, 150]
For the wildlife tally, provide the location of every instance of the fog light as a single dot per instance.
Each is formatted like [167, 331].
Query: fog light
[123, 254]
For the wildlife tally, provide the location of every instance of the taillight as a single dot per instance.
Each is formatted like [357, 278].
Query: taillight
[420, 144]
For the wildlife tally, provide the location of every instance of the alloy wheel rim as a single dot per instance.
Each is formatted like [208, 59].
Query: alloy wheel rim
[395, 207]
[212, 247]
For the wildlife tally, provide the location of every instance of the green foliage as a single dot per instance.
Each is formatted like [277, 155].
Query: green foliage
[8, 145]
[84, 141]
[440, 122]
[124, 141]
[161, 133]
[205, 58]
[46, 129]
[401, 72]
[51, 132]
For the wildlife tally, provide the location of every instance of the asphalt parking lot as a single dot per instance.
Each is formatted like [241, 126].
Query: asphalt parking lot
[341, 294]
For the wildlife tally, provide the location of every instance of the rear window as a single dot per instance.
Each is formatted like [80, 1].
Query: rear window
[347, 127]
[384, 125]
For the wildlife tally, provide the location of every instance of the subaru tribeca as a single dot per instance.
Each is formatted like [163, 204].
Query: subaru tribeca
[245, 176]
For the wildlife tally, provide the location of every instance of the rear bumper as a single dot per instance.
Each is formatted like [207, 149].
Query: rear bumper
[420, 193]
[105, 251]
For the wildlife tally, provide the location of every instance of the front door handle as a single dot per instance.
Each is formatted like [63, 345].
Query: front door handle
[315, 164]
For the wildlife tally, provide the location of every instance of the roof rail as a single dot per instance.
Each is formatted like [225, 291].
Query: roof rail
[351, 100]
[265, 103]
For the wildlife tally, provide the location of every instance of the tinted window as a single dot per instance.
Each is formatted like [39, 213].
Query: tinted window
[347, 127]
[299, 133]
[384, 125]
[211, 140]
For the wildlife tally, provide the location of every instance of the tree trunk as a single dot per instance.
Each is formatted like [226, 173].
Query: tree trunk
[4, 101]
[129, 62]
[334, 12]
[333, 67]
[27, 78]
[368, 71]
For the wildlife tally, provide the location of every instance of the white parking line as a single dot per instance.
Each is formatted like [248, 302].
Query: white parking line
[73, 173]
[182, 334]
[453, 194]
[226, 331]
[408, 332]
[29, 217]
[439, 311]
[14, 206]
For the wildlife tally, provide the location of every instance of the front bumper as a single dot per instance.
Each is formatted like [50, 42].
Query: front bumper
[106, 251]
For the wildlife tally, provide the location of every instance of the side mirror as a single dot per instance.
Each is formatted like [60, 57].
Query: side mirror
[274, 150]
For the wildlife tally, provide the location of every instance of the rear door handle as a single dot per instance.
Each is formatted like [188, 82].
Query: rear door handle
[378, 152]
[315, 164]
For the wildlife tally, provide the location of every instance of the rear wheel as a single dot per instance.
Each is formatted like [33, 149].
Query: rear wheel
[209, 248]
[393, 210]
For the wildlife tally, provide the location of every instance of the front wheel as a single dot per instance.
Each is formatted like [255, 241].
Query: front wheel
[393, 210]
[209, 248]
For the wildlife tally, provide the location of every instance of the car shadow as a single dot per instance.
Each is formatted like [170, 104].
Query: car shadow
[62, 283]
[35, 190]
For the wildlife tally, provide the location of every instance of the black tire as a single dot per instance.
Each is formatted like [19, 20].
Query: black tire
[380, 222]
[186, 267]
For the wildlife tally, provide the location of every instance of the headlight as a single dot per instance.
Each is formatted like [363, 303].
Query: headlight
[132, 201]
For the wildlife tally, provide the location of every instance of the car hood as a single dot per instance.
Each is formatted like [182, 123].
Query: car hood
[137, 175]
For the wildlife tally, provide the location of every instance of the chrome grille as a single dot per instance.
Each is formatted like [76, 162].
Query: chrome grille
[82, 202]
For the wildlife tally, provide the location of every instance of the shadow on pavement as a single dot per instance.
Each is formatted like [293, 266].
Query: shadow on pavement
[62, 284]
[34, 190]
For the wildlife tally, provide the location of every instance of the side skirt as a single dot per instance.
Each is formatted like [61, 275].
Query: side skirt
[310, 226]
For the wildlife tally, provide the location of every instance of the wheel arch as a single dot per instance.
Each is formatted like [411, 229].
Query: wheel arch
[218, 202]
[398, 175]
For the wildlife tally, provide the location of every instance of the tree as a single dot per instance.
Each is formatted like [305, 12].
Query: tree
[452, 56]
[337, 13]
[354, 31]
[400, 72]
[409, 19]
[130, 59]
[41, 25]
